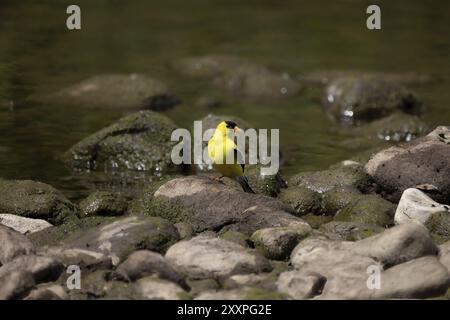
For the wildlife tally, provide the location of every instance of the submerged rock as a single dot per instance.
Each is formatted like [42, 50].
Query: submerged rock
[123, 236]
[22, 224]
[422, 161]
[360, 99]
[104, 203]
[137, 142]
[116, 91]
[33, 199]
[189, 199]
[207, 257]
[416, 205]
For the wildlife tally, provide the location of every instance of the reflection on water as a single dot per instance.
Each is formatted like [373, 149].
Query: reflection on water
[38, 56]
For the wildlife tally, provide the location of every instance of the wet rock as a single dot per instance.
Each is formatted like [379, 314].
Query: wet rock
[397, 127]
[337, 199]
[153, 288]
[35, 200]
[23, 225]
[277, 243]
[323, 181]
[43, 269]
[115, 91]
[85, 259]
[439, 226]
[416, 205]
[137, 142]
[269, 185]
[48, 292]
[13, 245]
[369, 209]
[350, 231]
[301, 285]
[257, 82]
[245, 293]
[207, 66]
[229, 209]
[15, 284]
[302, 199]
[421, 278]
[145, 263]
[358, 99]
[206, 257]
[422, 161]
[236, 237]
[123, 236]
[104, 203]
[397, 245]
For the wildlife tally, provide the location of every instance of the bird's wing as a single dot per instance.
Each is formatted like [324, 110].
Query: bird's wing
[238, 158]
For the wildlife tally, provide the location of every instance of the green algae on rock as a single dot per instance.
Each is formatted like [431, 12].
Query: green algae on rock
[104, 204]
[138, 142]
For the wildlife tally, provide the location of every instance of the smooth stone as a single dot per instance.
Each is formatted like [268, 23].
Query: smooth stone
[104, 204]
[300, 285]
[153, 288]
[85, 259]
[22, 224]
[15, 284]
[48, 292]
[13, 244]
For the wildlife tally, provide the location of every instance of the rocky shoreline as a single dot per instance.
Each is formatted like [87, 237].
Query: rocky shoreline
[184, 235]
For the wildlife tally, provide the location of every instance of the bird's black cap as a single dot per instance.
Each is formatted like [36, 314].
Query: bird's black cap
[231, 124]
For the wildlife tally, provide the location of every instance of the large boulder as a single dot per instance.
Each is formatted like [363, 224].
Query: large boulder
[13, 244]
[120, 238]
[33, 199]
[416, 205]
[209, 205]
[137, 142]
[422, 161]
[114, 91]
[22, 224]
[350, 267]
[360, 99]
[207, 257]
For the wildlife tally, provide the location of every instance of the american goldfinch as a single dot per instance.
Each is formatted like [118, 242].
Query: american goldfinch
[220, 147]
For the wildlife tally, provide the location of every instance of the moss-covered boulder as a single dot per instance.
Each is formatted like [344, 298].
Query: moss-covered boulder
[337, 199]
[439, 226]
[115, 91]
[302, 199]
[323, 181]
[236, 237]
[34, 199]
[350, 231]
[137, 142]
[104, 203]
[360, 99]
[316, 220]
[369, 209]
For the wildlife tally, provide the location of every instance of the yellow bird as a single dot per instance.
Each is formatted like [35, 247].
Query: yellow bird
[221, 147]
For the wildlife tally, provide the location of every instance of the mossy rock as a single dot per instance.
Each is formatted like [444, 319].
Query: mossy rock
[337, 199]
[236, 237]
[302, 199]
[137, 142]
[368, 209]
[323, 181]
[315, 220]
[350, 231]
[35, 200]
[439, 226]
[269, 185]
[104, 203]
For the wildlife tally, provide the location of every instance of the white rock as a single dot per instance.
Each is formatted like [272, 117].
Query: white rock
[153, 288]
[22, 224]
[416, 205]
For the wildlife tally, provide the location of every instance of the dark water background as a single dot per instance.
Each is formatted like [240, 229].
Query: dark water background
[38, 55]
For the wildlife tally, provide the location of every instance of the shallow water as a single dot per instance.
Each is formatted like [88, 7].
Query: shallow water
[38, 55]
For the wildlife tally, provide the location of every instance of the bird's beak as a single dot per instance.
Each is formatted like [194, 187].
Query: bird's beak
[236, 129]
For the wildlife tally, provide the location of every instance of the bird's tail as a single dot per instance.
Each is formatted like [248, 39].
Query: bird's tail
[244, 184]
